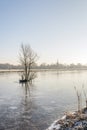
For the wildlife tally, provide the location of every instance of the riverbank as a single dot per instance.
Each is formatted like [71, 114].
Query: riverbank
[40, 70]
[71, 121]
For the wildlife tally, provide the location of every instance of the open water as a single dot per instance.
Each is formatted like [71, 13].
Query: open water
[35, 106]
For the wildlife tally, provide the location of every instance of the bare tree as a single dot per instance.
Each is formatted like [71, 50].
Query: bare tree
[27, 58]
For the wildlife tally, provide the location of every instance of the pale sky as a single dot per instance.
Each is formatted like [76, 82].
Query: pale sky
[55, 29]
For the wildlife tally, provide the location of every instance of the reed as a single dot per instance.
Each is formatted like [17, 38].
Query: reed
[79, 99]
[85, 95]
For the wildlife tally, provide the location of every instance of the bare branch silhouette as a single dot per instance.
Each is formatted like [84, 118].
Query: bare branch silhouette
[27, 59]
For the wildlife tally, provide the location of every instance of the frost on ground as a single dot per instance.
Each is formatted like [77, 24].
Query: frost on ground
[71, 121]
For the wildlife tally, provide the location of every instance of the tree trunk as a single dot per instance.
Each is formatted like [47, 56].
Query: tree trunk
[26, 72]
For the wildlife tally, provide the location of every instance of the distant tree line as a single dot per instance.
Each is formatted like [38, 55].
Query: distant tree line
[10, 66]
[62, 66]
[58, 66]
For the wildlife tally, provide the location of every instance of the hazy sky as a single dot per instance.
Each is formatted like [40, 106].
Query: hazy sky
[55, 29]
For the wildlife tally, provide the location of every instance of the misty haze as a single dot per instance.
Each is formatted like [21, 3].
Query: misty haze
[43, 65]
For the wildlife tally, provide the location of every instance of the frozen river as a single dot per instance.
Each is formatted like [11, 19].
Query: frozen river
[35, 106]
